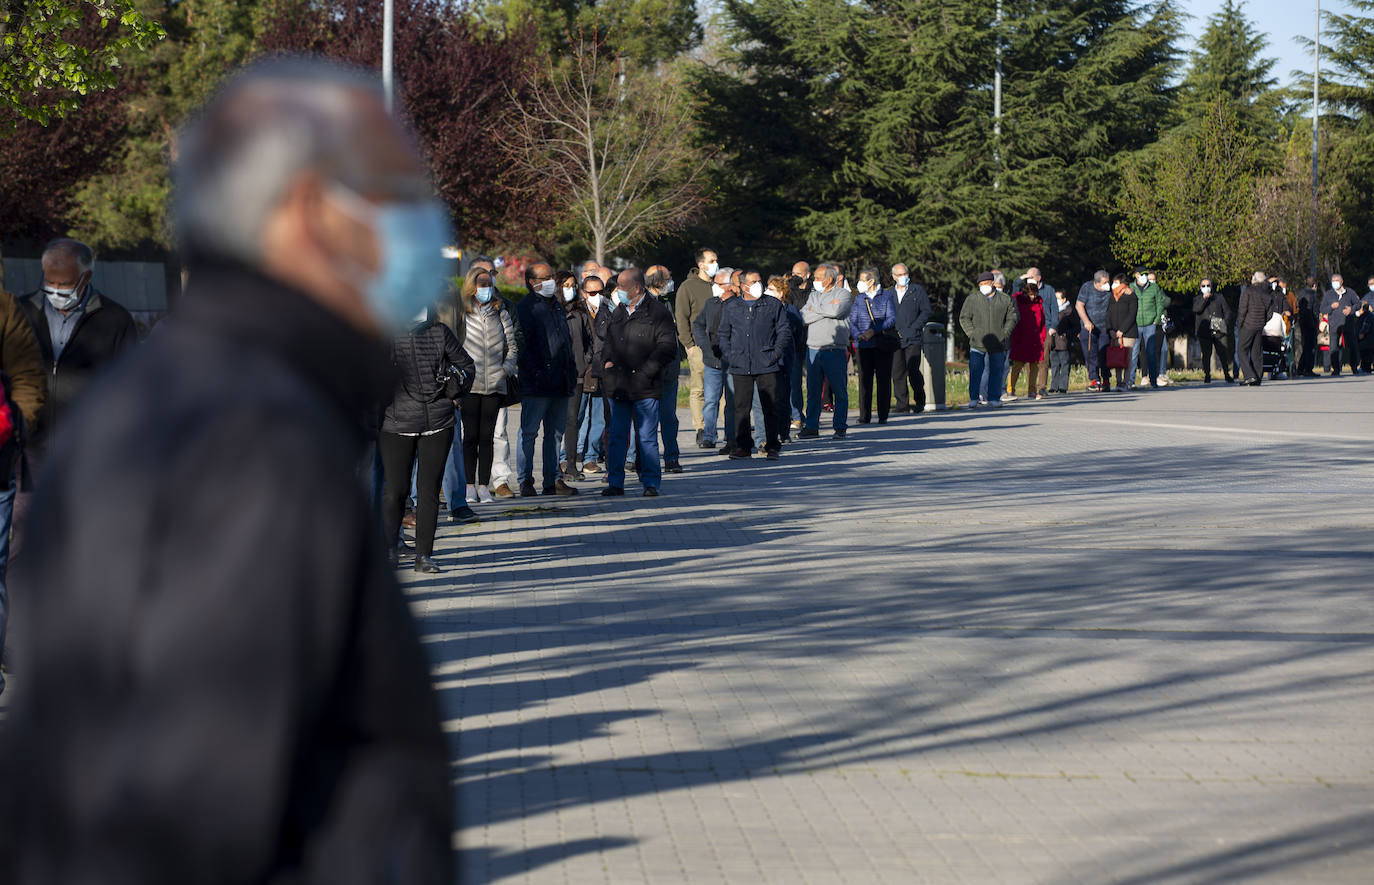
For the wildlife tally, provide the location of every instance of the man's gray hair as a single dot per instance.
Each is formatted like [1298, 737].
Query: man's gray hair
[830, 272]
[999, 279]
[237, 156]
[67, 249]
[1102, 277]
[1259, 276]
[725, 271]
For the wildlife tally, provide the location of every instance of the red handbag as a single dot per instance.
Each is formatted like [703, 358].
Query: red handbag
[1118, 356]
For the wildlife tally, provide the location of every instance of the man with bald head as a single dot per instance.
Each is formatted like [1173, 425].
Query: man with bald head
[222, 681]
[640, 341]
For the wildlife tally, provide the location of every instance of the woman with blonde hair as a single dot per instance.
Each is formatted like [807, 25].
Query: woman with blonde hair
[490, 341]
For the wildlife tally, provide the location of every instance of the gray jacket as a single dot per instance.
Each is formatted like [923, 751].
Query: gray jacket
[490, 341]
[827, 318]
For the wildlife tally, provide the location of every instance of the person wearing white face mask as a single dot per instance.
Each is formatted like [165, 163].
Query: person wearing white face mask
[691, 298]
[718, 383]
[827, 350]
[1339, 304]
[913, 312]
[1214, 317]
[489, 338]
[753, 335]
[79, 330]
[873, 328]
[548, 374]
[987, 318]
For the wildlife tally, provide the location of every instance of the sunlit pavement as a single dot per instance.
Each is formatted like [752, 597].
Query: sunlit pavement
[1108, 637]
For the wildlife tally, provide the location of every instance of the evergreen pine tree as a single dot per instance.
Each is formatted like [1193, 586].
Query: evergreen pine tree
[1228, 64]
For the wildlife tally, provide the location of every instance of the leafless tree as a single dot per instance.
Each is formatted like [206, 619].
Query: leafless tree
[1283, 229]
[610, 144]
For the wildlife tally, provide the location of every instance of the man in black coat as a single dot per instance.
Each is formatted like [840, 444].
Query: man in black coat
[1256, 306]
[1305, 325]
[639, 341]
[754, 334]
[548, 374]
[79, 330]
[222, 682]
[913, 312]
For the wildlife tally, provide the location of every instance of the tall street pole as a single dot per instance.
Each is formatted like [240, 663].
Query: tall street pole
[997, 105]
[388, 40]
[1316, 79]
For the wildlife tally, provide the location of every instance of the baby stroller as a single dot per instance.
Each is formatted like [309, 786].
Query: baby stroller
[1278, 348]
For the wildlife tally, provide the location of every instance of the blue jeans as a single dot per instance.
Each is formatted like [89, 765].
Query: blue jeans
[994, 365]
[667, 412]
[6, 519]
[550, 413]
[591, 427]
[829, 364]
[455, 475]
[715, 383]
[1146, 341]
[644, 412]
[795, 369]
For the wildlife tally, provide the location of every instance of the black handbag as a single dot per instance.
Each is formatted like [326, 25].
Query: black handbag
[454, 381]
[1217, 327]
[512, 395]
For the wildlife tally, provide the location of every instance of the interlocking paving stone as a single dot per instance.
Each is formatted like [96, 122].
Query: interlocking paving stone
[1104, 638]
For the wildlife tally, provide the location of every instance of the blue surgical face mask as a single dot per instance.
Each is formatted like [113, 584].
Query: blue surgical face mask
[483, 294]
[622, 297]
[411, 238]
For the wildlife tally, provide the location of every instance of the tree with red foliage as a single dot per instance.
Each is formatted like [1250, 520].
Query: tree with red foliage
[454, 79]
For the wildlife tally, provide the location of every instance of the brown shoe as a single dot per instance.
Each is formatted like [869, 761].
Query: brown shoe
[408, 520]
[503, 491]
[563, 489]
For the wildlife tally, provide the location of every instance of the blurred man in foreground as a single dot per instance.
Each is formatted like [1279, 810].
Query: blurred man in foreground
[222, 682]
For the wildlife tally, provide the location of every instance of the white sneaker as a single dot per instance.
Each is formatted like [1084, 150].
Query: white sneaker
[1009, 397]
[485, 496]
[1162, 380]
[471, 495]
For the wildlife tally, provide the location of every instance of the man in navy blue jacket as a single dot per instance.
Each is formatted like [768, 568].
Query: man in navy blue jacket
[754, 334]
[913, 312]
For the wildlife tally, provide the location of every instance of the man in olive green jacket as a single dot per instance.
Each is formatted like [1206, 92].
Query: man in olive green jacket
[1149, 315]
[988, 317]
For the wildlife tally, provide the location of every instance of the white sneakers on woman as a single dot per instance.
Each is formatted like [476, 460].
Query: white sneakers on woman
[484, 495]
[471, 494]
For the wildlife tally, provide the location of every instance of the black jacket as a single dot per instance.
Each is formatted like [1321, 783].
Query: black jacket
[1256, 306]
[583, 336]
[547, 366]
[706, 333]
[1121, 315]
[1206, 308]
[418, 404]
[913, 312]
[754, 335]
[104, 331]
[215, 650]
[638, 346]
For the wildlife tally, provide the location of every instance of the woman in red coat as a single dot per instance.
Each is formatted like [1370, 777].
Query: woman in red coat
[1027, 339]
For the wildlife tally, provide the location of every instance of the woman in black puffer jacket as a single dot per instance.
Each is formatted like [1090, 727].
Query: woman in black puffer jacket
[418, 423]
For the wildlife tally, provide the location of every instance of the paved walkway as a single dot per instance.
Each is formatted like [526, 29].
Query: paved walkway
[1110, 638]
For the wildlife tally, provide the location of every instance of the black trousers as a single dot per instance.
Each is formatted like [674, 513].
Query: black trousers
[570, 430]
[1251, 354]
[1350, 349]
[1223, 349]
[744, 407]
[906, 369]
[1306, 341]
[479, 428]
[398, 457]
[873, 362]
